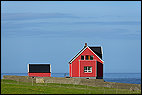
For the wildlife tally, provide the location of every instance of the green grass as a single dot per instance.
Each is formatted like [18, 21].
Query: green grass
[14, 87]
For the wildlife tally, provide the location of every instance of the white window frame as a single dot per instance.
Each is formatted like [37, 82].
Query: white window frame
[87, 71]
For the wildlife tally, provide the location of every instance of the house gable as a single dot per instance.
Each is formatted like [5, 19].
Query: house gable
[86, 47]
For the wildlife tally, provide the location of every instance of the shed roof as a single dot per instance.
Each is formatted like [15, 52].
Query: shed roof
[39, 68]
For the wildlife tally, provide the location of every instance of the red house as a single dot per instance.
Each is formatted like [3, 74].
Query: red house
[87, 63]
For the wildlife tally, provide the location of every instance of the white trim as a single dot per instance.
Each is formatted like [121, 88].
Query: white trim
[96, 55]
[28, 67]
[102, 50]
[79, 68]
[50, 68]
[78, 55]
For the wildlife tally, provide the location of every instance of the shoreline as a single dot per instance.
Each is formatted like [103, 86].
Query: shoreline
[78, 81]
[131, 80]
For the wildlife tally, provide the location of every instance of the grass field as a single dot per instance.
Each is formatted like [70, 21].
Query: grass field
[14, 87]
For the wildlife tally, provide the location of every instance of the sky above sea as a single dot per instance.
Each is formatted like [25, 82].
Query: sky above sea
[55, 31]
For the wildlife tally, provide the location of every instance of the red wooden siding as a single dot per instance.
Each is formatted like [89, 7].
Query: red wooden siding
[84, 63]
[70, 70]
[39, 74]
[77, 66]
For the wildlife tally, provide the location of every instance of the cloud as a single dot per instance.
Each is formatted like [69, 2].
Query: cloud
[39, 16]
[29, 16]
[102, 34]
[111, 23]
[34, 25]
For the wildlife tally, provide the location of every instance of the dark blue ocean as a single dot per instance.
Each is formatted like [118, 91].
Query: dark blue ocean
[133, 78]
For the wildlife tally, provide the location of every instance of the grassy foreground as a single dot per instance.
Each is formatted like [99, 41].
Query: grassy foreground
[14, 87]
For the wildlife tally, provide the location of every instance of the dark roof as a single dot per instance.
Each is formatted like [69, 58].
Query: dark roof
[39, 68]
[97, 50]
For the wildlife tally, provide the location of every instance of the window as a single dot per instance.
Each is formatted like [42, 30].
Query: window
[87, 57]
[88, 69]
[85, 69]
[91, 57]
[82, 57]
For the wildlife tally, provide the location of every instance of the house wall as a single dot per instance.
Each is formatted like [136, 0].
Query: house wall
[75, 69]
[100, 69]
[91, 63]
[77, 66]
[70, 70]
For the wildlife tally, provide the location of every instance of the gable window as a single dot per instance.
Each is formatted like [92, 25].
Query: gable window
[87, 69]
[91, 57]
[82, 57]
[87, 57]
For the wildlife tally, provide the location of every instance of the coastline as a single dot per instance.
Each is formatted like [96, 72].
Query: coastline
[78, 81]
[131, 78]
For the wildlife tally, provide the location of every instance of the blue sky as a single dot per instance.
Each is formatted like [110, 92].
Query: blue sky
[55, 31]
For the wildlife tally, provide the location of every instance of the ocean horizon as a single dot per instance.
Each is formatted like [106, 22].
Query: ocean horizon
[132, 78]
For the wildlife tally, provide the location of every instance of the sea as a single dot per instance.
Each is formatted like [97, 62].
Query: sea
[132, 78]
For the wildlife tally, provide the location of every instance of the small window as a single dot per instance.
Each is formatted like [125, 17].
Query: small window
[88, 69]
[82, 57]
[85, 69]
[87, 57]
[91, 57]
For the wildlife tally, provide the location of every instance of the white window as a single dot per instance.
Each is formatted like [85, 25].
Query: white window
[88, 69]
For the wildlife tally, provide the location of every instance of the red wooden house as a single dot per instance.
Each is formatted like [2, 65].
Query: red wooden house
[87, 63]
